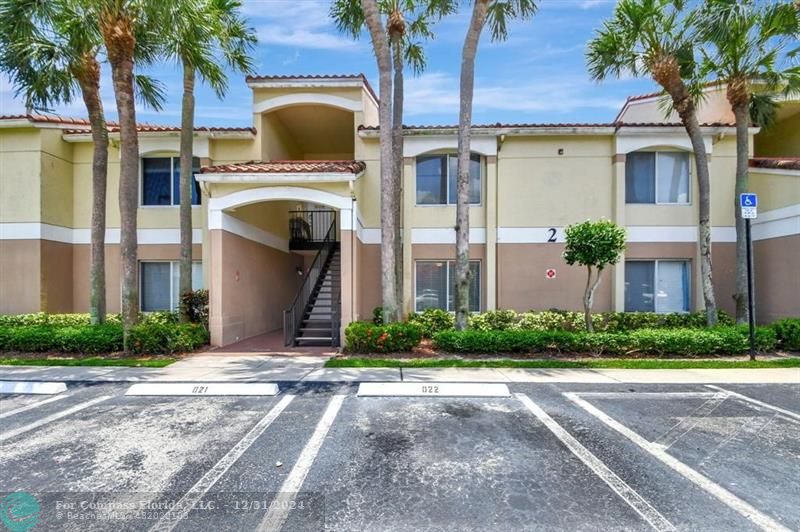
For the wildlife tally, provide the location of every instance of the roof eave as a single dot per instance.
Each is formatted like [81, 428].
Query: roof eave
[87, 136]
[278, 177]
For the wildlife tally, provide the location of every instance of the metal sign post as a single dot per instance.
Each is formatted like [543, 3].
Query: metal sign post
[749, 206]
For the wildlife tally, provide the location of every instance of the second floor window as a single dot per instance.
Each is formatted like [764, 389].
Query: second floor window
[161, 178]
[657, 177]
[436, 179]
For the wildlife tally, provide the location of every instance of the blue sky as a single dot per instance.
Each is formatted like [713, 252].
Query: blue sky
[537, 75]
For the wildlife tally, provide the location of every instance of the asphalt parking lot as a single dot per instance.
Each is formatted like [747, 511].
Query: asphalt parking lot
[318, 457]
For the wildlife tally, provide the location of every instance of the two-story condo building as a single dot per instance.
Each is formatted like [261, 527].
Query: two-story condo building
[287, 212]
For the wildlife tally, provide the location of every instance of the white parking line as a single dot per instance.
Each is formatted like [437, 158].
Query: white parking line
[746, 510]
[280, 506]
[649, 395]
[182, 508]
[762, 404]
[32, 405]
[53, 417]
[620, 487]
[685, 425]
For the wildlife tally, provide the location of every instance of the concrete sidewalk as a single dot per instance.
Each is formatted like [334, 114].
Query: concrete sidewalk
[254, 368]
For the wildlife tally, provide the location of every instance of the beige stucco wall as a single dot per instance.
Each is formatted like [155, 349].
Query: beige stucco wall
[777, 281]
[20, 276]
[539, 188]
[522, 285]
[251, 285]
[781, 140]
[20, 169]
[715, 108]
[775, 188]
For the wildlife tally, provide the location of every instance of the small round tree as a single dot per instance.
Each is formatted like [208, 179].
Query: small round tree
[594, 245]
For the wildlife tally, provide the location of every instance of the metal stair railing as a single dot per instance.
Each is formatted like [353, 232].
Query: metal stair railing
[293, 316]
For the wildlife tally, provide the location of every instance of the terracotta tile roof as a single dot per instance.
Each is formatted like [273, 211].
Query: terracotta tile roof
[782, 163]
[288, 167]
[153, 128]
[50, 119]
[284, 77]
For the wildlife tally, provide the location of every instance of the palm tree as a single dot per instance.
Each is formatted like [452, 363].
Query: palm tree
[496, 13]
[747, 40]
[654, 38]
[405, 48]
[50, 50]
[128, 28]
[204, 31]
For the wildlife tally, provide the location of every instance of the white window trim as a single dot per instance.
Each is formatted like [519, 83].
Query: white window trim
[172, 203]
[447, 294]
[655, 183]
[656, 262]
[173, 305]
[447, 192]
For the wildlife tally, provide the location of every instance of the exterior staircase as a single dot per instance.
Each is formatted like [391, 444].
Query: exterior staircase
[321, 316]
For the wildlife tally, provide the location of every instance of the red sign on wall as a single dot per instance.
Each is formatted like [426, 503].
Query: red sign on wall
[550, 273]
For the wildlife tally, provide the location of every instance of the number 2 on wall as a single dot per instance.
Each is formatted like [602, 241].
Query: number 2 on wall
[552, 232]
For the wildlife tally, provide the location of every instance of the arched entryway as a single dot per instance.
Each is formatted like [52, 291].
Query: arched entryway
[273, 248]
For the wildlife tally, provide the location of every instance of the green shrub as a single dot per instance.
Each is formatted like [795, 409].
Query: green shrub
[494, 320]
[432, 320]
[366, 337]
[788, 333]
[658, 342]
[78, 319]
[377, 315]
[149, 338]
[70, 339]
[195, 305]
[164, 338]
[551, 321]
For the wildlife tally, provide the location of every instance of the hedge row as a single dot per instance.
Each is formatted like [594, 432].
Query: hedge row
[437, 320]
[658, 342]
[77, 319]
[367, 337]
[788, 333]
[147, 338]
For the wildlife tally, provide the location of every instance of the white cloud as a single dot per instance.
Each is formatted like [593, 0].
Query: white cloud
[300, 24]
[437, 90]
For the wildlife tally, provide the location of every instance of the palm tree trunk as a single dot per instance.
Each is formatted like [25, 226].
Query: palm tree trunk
[120, 43]
[704, 207]
[89, 80]
[742, 115]
[187, 137]
[397, 162]
[380, 46]
[468, 53]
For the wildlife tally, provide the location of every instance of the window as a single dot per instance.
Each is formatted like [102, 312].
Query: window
[657, 177]
[159, 282]
[436, 179]
[436, 281]
[161, 181]
[657, 286]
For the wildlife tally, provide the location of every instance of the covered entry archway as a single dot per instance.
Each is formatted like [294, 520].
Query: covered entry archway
[254, 274]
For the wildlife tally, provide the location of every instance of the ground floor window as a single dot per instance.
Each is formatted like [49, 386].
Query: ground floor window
[435, 282]
[159, 282]
[657, 286]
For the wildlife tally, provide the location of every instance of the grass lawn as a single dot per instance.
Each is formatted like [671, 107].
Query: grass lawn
[619, 363]
[92, 361]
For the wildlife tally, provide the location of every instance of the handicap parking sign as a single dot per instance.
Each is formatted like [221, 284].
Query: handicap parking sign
[749, 205]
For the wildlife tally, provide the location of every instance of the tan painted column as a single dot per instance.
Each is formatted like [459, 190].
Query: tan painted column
[348, 269]
[618, 210]
[205, 194]
[492, 207]
[409, 200]
[215, 318]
